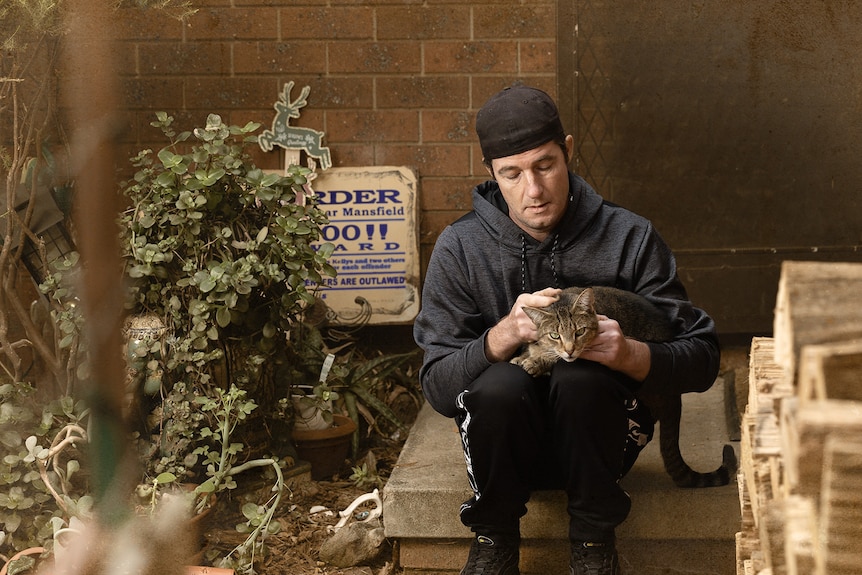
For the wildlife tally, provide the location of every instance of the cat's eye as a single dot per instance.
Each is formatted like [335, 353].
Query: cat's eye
[581, 331]
[554, 335]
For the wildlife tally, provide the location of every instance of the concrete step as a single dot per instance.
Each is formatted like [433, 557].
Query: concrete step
[669, 531]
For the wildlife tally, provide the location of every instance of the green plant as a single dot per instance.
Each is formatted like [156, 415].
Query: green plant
[217, 247]
[41, 481]
[220, 454]
[225, 255]
[365, 474]
[359, 381]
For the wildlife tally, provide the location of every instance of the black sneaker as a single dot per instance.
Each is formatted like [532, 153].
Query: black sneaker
[488, 557]
[594, 559]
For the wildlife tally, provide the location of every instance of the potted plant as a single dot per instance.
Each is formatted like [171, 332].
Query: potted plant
[341, 389]
[224, 254]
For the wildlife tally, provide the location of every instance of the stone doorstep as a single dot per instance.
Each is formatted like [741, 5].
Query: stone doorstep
[548, 557]
[428, 485]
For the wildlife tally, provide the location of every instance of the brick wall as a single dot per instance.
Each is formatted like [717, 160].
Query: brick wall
[392, 82]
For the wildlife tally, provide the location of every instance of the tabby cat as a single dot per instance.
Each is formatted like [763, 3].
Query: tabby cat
[569, 325]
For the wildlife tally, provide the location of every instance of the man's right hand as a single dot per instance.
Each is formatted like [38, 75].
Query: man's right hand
[516, 328]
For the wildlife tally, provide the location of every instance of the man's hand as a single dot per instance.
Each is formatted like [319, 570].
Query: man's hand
[516, 328]
[613, 349]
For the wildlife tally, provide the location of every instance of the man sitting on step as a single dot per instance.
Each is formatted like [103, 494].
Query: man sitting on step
[535, 228]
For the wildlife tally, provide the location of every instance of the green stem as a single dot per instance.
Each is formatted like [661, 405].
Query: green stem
[262, 528]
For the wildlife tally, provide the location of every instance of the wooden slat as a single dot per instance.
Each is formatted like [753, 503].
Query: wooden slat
[817, 303]
[831, 371]
[841, 503]
[761, 455]
[768, 382]
[772, 536]
[789, 443]
[803, 555]
[815, 423]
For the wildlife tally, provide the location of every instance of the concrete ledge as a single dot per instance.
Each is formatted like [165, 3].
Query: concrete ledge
[542, 556]
[428, 485]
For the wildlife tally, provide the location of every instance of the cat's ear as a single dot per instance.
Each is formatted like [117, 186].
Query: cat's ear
[586, 301]
[536, 314]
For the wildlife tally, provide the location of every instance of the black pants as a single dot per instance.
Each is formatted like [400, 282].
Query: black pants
[570, 430]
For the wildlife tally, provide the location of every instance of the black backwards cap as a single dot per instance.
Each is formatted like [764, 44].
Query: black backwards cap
[517, 119]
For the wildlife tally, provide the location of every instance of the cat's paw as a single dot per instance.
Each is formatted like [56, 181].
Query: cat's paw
[530, 366]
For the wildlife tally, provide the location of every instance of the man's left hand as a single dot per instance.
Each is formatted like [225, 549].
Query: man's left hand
[613, 349]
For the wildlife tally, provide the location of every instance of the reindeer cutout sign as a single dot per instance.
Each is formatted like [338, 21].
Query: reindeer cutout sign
[292, 137]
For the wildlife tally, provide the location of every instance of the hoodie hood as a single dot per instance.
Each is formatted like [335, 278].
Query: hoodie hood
[492, 211]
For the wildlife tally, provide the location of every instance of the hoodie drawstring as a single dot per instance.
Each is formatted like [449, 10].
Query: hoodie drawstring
[524, 277]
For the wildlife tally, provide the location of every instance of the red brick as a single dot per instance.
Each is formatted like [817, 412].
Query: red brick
[213, 3]
[147, 24]
[486, 86]
[472, 3]
[126, 58]
[507, 21]
[423, 92]
[448, 126]
[373, 126]
[273, 57]
[355, 22]
[224, 94]
[423, 22]
[374, 57]
[353, 155]
[339, 92]
[471, 57]
[183, 58]
[538, 57]
[233, 23]
[479, 169]
[152, 93]
[447, 193]
[278, 2]
[128, 130]
[427, 160]
[262, 116]
[433, 222]
[312, 116]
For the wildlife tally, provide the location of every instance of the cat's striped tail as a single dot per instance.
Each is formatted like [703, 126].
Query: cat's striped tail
[679, 470]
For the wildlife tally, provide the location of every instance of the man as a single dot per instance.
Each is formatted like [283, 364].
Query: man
[536, 228]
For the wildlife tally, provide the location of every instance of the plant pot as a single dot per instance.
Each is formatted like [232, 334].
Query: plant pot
[308, 417]
[325, 449]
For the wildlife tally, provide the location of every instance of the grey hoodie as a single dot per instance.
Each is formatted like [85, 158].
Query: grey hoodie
[483, 261]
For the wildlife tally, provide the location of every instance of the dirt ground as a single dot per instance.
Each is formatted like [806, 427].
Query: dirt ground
[295, 548]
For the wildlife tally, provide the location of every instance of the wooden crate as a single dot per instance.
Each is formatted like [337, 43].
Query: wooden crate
[802, 551]
[817, 303]
[841, 504]
[760, 445]
[831, 371]
[800, 476]
[815, 424]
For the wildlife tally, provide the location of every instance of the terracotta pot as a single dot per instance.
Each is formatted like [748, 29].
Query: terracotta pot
[325, 449]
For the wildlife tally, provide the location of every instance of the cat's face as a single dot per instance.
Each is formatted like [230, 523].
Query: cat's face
[565, 327]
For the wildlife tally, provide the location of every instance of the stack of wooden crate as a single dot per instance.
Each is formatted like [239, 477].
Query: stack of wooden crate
[800, 480]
